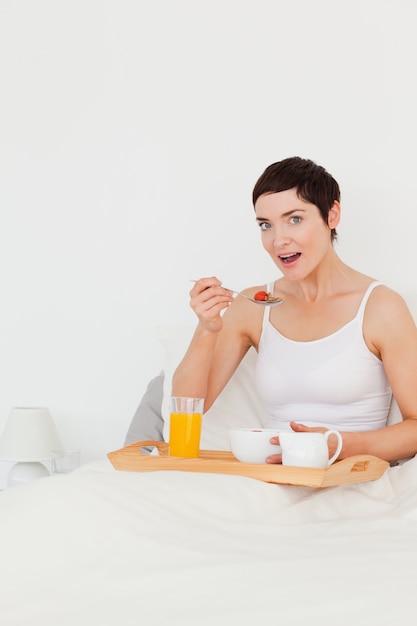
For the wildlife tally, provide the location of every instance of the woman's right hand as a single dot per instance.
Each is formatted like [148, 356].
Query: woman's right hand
[208, 300]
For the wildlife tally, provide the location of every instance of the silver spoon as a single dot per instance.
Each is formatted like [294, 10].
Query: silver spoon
[271, 302]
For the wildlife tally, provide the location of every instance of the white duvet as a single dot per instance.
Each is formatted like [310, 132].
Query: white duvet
[103, 547]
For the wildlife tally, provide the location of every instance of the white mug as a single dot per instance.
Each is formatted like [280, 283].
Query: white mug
[308, 449]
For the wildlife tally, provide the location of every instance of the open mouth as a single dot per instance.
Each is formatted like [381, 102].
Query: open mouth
[287, 259]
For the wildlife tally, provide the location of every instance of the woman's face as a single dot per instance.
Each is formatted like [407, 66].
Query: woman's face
[294, 233]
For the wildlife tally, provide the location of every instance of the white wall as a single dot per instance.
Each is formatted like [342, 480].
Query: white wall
[131, 134]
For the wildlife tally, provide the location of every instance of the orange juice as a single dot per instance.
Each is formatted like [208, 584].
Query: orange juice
[184, 434]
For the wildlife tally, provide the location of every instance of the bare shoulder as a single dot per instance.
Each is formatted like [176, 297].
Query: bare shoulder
[387, 304]
[241, 326]
[242, 321]
[388, 322]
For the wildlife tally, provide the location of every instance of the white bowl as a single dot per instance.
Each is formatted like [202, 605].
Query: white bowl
[251, 445]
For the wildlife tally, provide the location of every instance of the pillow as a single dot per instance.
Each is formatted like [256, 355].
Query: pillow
[147, 422]
[238, 405]
[394, 414]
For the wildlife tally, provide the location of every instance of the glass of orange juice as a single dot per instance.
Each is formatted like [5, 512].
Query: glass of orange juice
[186, 416]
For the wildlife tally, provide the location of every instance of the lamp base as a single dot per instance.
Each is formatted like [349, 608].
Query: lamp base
[25, 471]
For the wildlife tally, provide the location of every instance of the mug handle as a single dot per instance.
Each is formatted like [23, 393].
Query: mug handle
[339, 444]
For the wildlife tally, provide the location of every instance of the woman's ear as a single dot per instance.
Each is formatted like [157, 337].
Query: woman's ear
[333, 217]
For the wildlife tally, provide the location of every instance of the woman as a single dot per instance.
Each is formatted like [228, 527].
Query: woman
[338, 347]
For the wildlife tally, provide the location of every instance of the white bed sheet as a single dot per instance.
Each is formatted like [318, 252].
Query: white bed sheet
[102, 547]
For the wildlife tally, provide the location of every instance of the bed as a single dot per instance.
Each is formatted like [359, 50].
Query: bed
[101, 546]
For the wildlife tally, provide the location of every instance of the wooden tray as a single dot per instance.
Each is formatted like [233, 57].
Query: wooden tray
[355, 469]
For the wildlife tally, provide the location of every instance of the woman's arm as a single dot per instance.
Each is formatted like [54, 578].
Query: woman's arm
[218, 345]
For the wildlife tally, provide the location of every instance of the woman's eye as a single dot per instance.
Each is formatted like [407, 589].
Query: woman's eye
[296, 219]
[264, 225]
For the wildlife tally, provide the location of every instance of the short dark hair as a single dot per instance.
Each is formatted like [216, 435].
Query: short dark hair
[311, 181]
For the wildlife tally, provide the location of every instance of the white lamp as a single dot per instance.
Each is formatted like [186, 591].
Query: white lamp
[28, 438]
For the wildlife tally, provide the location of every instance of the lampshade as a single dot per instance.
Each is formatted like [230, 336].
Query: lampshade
[29, 435]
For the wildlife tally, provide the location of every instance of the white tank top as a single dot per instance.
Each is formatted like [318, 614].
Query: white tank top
[335, 382]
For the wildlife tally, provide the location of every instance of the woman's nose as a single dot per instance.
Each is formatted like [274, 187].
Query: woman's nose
[281, 240]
